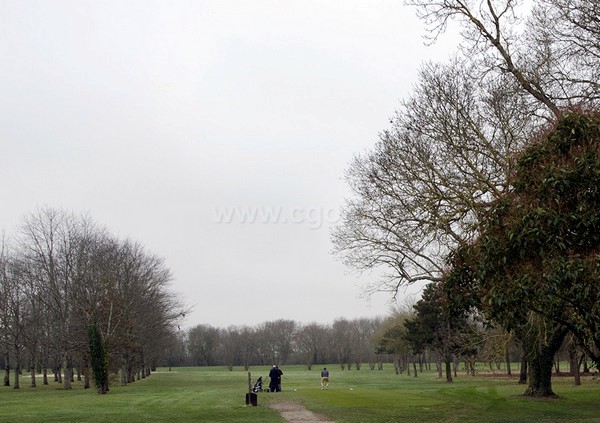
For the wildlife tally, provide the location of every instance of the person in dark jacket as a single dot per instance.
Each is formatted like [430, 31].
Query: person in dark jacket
[275, 375]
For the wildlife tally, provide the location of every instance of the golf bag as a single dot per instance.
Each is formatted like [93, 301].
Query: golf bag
[258, 385]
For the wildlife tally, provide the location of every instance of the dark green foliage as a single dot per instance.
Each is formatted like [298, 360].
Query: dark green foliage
[538, 253]
[539, 248]
[557, 188]
[437, 327]
[99, 359]
[429, 328]
[545, 248]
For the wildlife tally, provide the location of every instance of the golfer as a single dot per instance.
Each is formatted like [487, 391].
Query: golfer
[324, 378]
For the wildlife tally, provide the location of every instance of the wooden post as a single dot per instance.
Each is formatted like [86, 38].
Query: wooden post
[251, 397]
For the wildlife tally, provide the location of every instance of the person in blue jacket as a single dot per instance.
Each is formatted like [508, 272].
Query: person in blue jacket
[324, 378]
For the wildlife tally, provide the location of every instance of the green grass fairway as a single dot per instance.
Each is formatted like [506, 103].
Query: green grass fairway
[215, 394]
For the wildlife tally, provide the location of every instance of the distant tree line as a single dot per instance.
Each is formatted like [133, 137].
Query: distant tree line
[350, 343]
[412, 340]
[77, 302]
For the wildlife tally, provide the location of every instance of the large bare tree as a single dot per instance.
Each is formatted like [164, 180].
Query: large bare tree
[552, 52]
[49, 245]
[419, 191]
[14, 312]
[423, 189]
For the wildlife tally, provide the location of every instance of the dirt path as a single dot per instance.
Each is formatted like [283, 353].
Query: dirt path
[295, 412]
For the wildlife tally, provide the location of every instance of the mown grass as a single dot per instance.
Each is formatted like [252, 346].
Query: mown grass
[215, 394]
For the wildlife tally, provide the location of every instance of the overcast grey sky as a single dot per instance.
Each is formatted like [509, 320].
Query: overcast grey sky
[216, 133]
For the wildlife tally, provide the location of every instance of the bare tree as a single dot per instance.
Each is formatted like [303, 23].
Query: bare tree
[149, 311]
[230, 352]
[553, 55]
[311, 343]
[203, 341]
[564, 38]
[48, 244]
[277, 340]
[365, 343]
[14, 311]
[5, 321]
[250, 348]
[342, 336]
[175, 352]
[419, 192]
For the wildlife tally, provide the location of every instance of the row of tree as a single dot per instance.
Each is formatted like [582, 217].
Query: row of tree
[487, 181]
[74, 297]
[348, 342]
[436, 325]
[418, 337]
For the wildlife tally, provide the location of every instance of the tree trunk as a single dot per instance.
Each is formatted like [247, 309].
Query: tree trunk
[86, 377]
[33, 380]
[586, 369]
[17, 373]
[7, 370]
[448, 370]
[68, 376]
[574, 362]
[523, 370]
[541, 349]
[540, 375]
[507, 359]
[124, 374]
